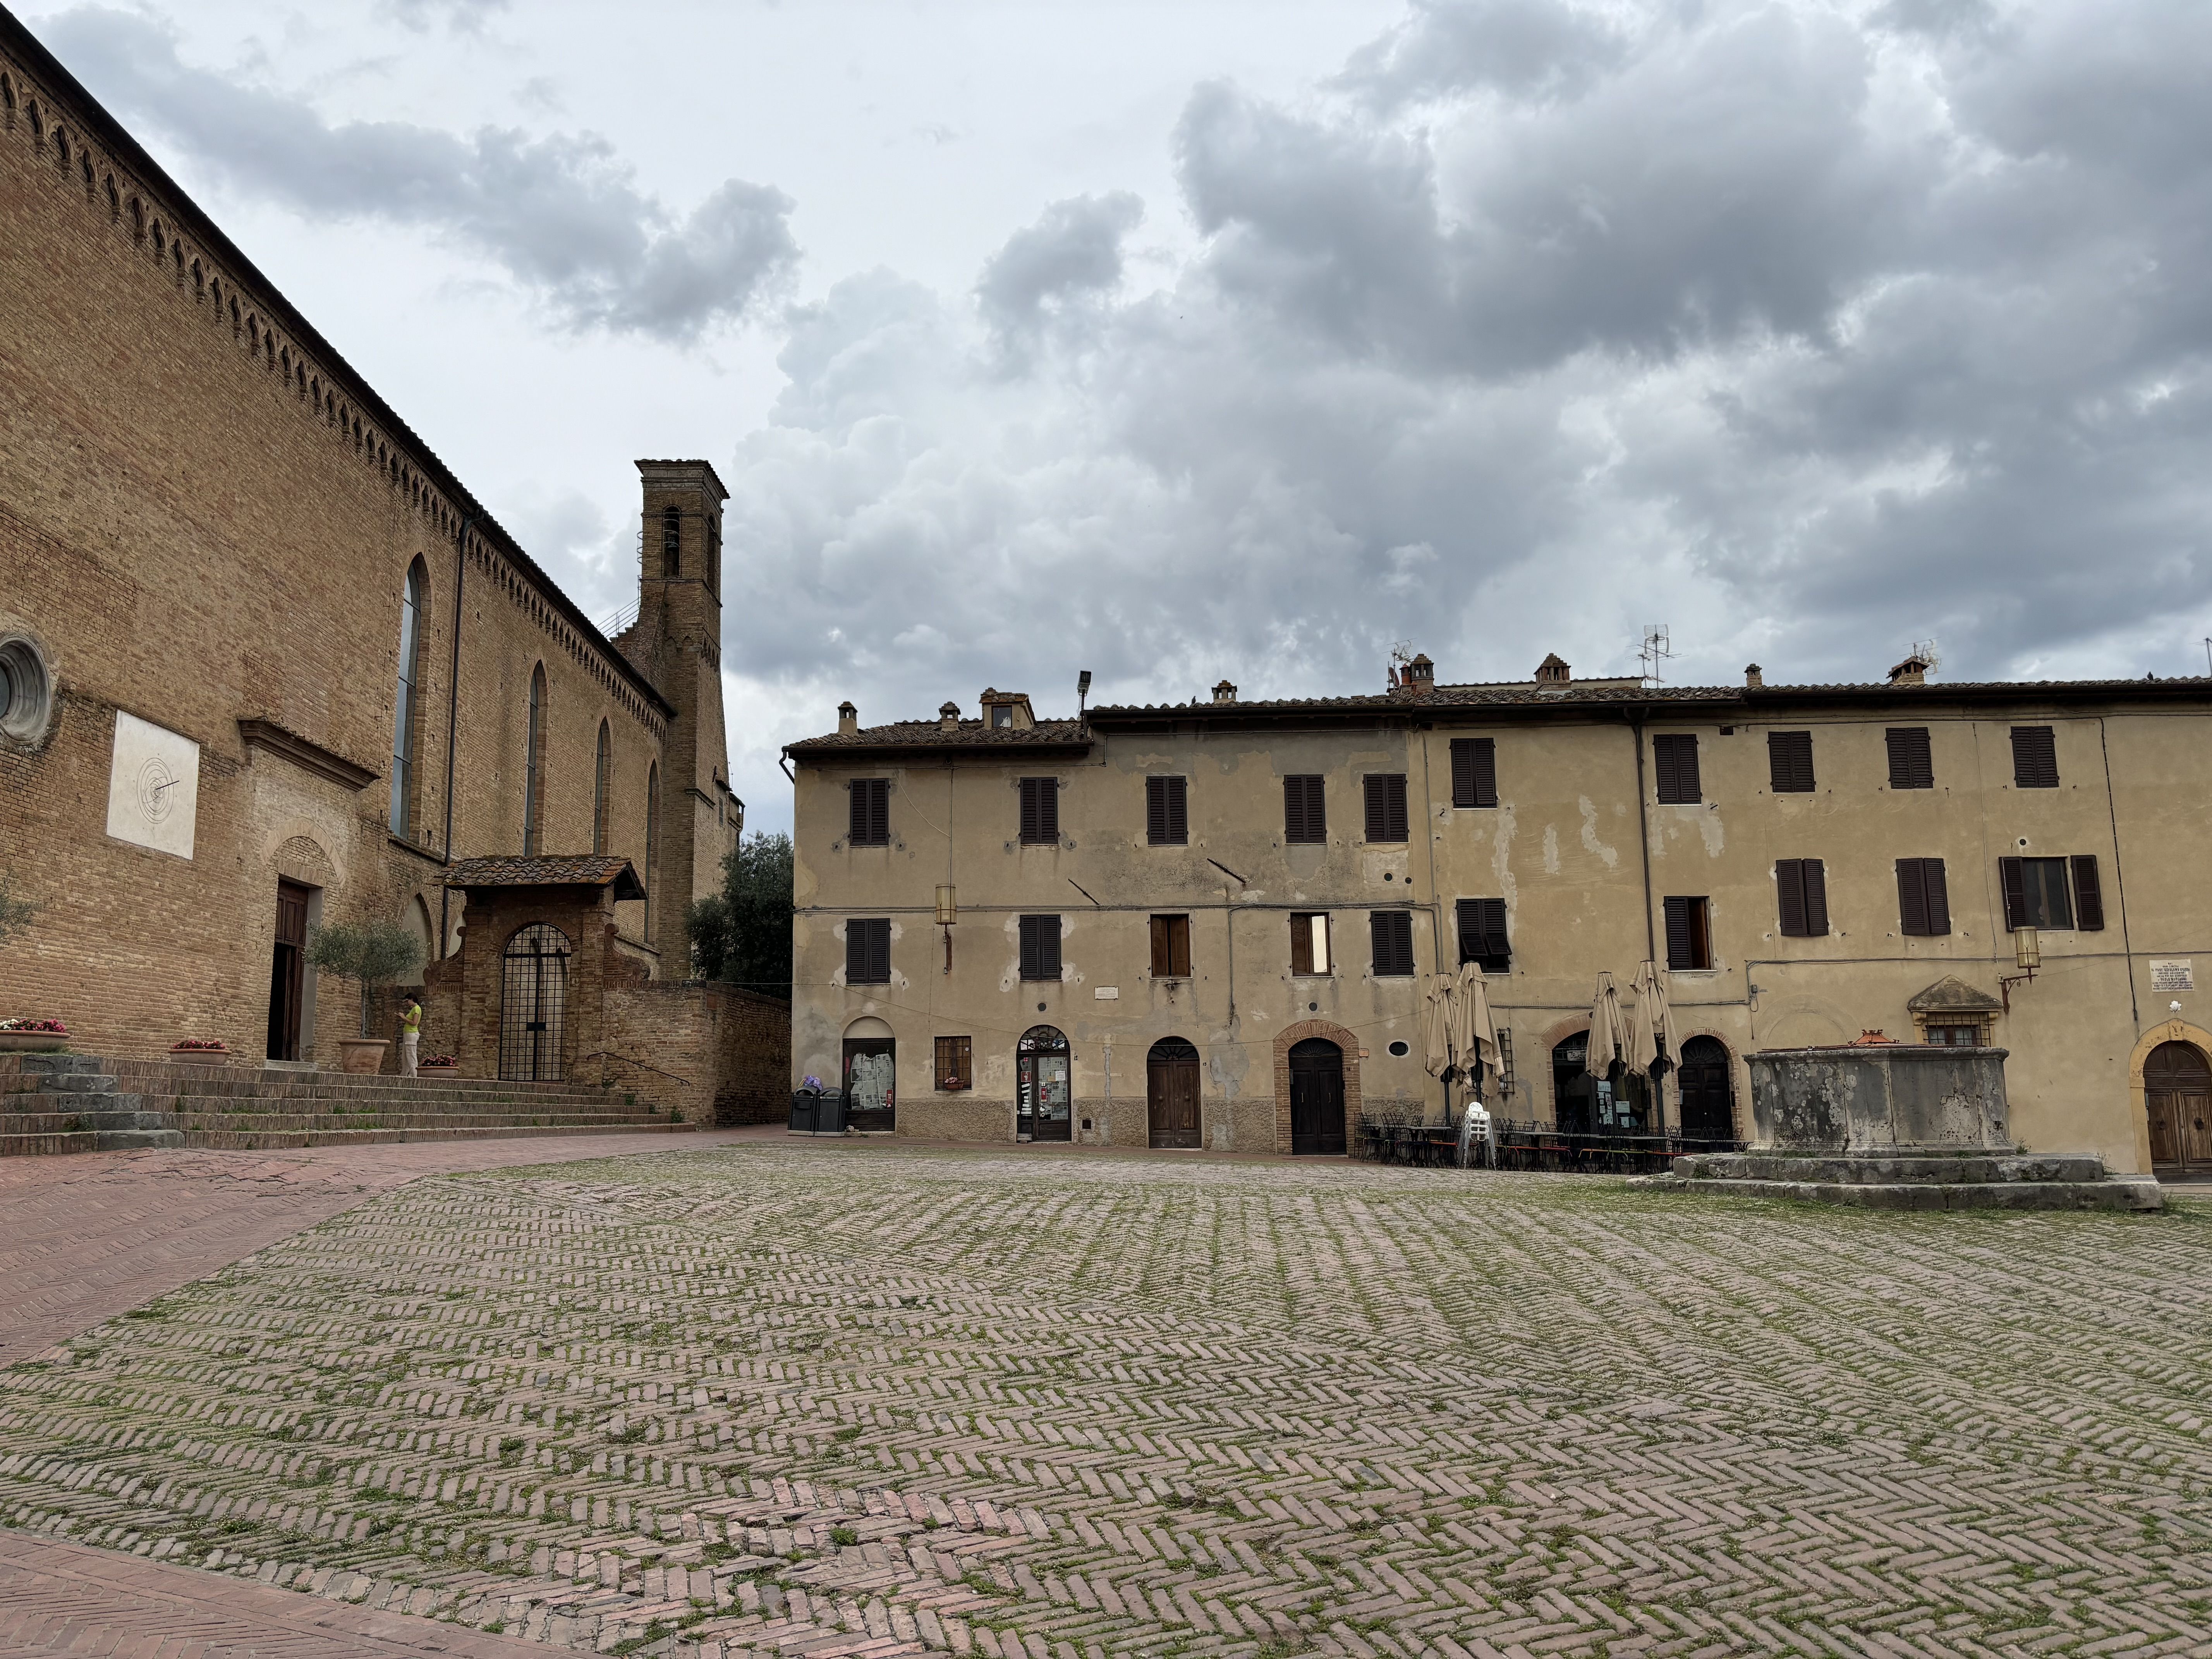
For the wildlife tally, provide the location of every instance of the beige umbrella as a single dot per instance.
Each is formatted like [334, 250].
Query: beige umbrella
[1437, 1027]
[1608, 1034]
[1652, 1031]
[1476, 1034]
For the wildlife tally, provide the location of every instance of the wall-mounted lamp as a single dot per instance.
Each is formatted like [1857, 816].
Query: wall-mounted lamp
[2027, 957]
[948, 912]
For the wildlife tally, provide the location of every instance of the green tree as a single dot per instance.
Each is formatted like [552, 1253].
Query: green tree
[16, 914]
[367, 953]
[742, 935]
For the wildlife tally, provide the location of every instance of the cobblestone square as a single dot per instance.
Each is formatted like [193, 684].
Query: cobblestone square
[830, 1400]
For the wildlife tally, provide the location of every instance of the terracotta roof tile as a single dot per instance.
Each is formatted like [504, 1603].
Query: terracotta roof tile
[563, 870]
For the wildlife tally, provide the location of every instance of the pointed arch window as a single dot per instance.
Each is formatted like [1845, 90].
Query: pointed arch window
[601, 776]
[534, 774]
[403, 704]
[652, 840]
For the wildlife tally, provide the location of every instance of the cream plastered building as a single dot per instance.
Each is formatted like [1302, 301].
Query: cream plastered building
[1215, 924]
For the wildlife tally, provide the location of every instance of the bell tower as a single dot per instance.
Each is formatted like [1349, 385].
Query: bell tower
[678, 642]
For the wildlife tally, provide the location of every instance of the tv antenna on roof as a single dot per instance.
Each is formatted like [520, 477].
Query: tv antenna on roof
[1658, 647]
[1926, 651]
[1401, 656]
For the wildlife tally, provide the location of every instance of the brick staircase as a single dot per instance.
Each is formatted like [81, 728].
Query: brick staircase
[72, 1103]
[80, 1102]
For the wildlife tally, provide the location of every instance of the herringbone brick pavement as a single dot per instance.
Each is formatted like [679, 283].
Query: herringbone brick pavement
[800, 1400]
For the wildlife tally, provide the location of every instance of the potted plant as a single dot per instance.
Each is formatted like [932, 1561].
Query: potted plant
[370, 953]
[439, 1065]
[199, 1049]
[35, 1036]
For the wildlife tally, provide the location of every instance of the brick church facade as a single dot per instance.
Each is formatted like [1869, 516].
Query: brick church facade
[269, 664]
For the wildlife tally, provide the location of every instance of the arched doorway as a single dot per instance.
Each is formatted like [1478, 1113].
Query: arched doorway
[871, 1077]
[2178, 1098]
[534, 998]
[1708, 1092]
[1317, 1098]
[1585, 1105]
[1043, 1102]
[1171, 1093]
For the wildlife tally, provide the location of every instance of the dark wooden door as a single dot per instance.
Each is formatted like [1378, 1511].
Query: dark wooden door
[1708, 1103]
[2177, 1095]
[288, 970]
[1317, 1098]
[1171, 1093]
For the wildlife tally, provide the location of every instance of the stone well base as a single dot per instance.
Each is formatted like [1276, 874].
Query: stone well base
[1910, 1178]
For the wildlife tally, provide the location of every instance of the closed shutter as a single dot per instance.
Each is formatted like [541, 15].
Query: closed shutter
[1681, 949]
[2034, 757]
[1041, 947]
[1040, 810]
[1386, 806]
[1167, 815]
[1939, 896]
[1393, 932]
[1912, 897]
[1171, 947]
[1816, 898]
[1789, 895]
[1790, 761]
[1912, 766]
[1674, 763]
[2015, 893]
[868, 950]
[1305, 817]
[2089, 895]
[1482, 935]
[1474, 772]
[870, 823]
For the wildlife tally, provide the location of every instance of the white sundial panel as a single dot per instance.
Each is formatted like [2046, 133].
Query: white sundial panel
[154, 787]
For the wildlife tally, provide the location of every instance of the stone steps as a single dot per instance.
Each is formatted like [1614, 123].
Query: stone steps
[66, 1102]
[267, 1140]
[1914, 1178]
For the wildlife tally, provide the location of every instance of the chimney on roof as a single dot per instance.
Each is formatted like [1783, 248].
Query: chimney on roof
[948, 716]
[1223, 692]
[1913, 671]
[849, 719]
[1751, 676]
[1552, 670]
[1420, 676]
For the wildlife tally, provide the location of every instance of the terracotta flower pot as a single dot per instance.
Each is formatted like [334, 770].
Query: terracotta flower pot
[363, 1056]
[437, 1070]
[32, 1043]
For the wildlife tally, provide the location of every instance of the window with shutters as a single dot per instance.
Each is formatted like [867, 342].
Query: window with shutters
[1040, 947]
[1040, 811]
[871, 814]
[1305, 820]
[1167, 814]
[2035, 893]
[1689, 933]
[1801, 887]
[2089, 894]
[2034, 757]
[1482, 935]
[1171, 947]
[1311, 957]
[1923, 898]
[1911, 765]
[868, 950]
[956, 1064]
[1386, 806]
[1674, 766]
[1790, 761]
[1474, 771]
[1393, 932]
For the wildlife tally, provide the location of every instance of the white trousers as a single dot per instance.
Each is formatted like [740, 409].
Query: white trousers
[411, 1044]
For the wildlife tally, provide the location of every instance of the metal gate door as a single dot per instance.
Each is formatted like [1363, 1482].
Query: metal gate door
[534, 994]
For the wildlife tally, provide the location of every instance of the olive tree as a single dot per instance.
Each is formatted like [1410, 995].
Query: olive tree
[370, 953]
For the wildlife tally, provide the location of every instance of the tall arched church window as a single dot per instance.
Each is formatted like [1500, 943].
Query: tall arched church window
[672, 543]
[713, 558]
[600, 779]
[534, 768]
[403, 705]
[652, 840]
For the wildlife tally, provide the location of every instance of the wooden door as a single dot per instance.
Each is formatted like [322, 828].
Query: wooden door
[1708, 1106]
[2177, 1096]
[288, 970]
[1317, 1099]
[1171, 1093]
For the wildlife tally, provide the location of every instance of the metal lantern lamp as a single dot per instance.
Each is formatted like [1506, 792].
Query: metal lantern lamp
[2027, 957]
[948, 912]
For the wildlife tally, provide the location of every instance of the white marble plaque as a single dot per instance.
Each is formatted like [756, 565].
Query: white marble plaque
[2171, 973]
[153, 786]
[1105, 992]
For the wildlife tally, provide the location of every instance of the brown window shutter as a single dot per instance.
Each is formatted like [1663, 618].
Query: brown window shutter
[1030, 821]
[1486, 772]
[1048, 811]
[1179, 946]
[1304, 819]
[1178, 811]
[1393, 932]
[2089, 895]
[1302, 945]
[856, 952]
[1789, 895]
[1482, 935]
[1939, 896]
[1662, 769]
[1032, 949]
[879, 952]
[1912, 896]
[1474, 772]
[1386, 806]
[1790, 761]
[2034, 757]
[1680, 944]
[2015, 893]
[1911, 765]
[1675, 764]
[1816, 898]
[1160, 969]
[1155, 811]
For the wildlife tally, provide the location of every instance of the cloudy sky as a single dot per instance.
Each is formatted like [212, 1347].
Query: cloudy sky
[1251, 337]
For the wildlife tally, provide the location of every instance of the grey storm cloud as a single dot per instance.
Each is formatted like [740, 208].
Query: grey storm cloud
[1812, 331]
[560, 214]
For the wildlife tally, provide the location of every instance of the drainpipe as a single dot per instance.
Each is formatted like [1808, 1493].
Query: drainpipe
[453, 721]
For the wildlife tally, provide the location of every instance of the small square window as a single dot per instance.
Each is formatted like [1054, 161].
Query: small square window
[1310, 952]
[956, 1064]
[1689, 933]
[1171, 947]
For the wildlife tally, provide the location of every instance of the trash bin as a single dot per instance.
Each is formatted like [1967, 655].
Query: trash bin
[803, 1104]
[829, 1113]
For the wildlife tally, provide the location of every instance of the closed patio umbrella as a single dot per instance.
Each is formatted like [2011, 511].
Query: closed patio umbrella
[1438, 1056]
[1475, 1035]
[1652, 1023]
[1608, 1032]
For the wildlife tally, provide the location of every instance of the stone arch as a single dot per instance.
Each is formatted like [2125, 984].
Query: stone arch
[1288, 1038]
[301, 859]
[1739, 1081]
[2170, 1030]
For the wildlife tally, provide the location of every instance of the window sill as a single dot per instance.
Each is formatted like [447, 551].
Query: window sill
[417, 848]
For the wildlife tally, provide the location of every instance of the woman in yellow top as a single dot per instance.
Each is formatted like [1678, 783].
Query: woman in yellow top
[410, 1033]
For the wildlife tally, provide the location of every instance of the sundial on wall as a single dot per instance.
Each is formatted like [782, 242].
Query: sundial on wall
[153, 786]
[156, 781]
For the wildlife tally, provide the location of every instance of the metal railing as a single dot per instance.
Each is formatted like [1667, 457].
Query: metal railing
[1535, 1146]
